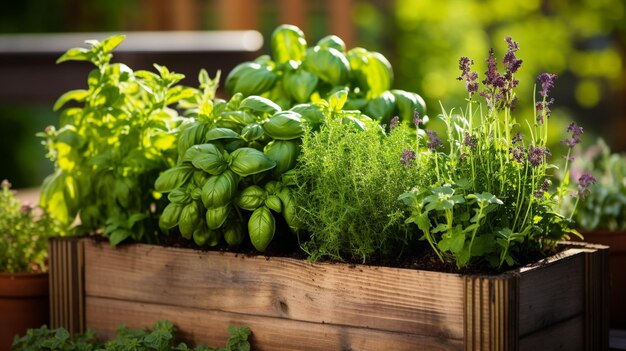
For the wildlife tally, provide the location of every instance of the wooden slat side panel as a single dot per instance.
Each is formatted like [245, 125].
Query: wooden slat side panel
[597, 299]
[409, 301]
[566, 335]
[269, 333]
[551, 293]
[66, 256]
[491, 313]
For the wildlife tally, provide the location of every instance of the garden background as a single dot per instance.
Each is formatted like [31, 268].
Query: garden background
[582, 41]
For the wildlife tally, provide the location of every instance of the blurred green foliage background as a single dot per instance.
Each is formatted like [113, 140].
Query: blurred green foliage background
[582, 41]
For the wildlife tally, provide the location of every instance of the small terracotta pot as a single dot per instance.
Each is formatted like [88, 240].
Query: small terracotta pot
[23, 304]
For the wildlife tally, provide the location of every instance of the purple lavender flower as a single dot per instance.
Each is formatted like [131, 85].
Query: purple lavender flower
[518, 153]
[469, 77]
[492, 77]
[511, 61]
[470, 141]
[394, 123]
[407, 158]
[517, 138]
[547, 83]
[542, 188]
[416, 119]
[576, 133]
[434, 142]
[537, 155]
[584, 182]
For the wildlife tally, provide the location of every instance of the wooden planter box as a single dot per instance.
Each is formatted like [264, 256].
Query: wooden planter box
[296, 305]
[617, 264]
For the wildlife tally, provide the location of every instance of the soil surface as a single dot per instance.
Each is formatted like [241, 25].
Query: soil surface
[423, 258]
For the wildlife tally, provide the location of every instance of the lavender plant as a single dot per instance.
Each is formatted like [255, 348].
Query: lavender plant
[491, 199]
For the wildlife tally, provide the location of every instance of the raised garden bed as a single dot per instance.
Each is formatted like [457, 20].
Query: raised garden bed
[295, 305]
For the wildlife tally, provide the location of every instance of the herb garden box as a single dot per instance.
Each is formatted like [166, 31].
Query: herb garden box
[616, 240]
[292, 304]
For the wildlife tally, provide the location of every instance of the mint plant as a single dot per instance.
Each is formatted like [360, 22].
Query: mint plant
[24, 234]
[491, 200]
[160, 338]
[112, 141]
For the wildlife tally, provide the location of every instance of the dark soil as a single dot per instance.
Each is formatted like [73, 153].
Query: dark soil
[423, 258]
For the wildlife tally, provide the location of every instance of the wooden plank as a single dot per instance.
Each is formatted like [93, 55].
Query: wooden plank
[66, 263]
[269, 333]
[566, 335]
[491, 304]
[403, 300]
[597, 298]
[550, 293]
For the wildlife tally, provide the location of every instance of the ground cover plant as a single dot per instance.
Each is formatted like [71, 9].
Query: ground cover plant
[160, 338]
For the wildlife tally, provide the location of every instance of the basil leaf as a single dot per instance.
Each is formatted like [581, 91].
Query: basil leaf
[189, 219]
[260, 105]
[284, 125]
[310, 113]
[173, 178]
[329, 64]
[251, 198]
[261, 227]
[221, 133]
[407, 103]
[381, 108]
[273, 203]
[219, 190]
[247, 161]
[371, 71]
[300, 84]
[202, 235]
[207, 157]
[234, 234]
[216, 217]
[288, 43]
[252, 132]
[179, 196]
[285, 153]
[169, 217]
[332, 41]
[289, 209]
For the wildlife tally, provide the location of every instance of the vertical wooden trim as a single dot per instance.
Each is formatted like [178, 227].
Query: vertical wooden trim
[340, 20]
[67, 296]
[238, 14]
[294, 12]
[596, 299]
[491, 313]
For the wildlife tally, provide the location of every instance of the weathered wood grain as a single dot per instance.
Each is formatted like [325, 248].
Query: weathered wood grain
[566, 335]
[292, 304]
[552, 292]
[402, 300]
[269, 333]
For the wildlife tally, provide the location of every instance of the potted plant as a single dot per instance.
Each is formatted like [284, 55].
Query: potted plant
[24, 233]
[601, 215]
[348, 186]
